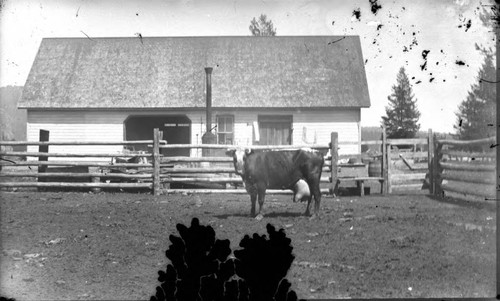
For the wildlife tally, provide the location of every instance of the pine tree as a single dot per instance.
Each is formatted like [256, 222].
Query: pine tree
[262, 27]
[476, 115]
[402, 113]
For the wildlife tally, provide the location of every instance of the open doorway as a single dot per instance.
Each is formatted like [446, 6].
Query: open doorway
[176, 130]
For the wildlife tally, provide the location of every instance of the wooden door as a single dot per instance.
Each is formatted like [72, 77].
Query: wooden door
[275, 130]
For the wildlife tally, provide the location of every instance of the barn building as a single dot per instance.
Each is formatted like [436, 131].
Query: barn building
[265, 90]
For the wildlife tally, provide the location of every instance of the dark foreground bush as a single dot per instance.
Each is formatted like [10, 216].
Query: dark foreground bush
[201, 269]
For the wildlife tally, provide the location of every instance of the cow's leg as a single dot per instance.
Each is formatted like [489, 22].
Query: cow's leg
[262, 198]
[307, 213]
[316, 193]
[253, 199]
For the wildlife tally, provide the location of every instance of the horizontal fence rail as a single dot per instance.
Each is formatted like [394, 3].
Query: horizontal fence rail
[68, 170]
[74, 155]
[130, 142]
[58, 169]
[463, 174]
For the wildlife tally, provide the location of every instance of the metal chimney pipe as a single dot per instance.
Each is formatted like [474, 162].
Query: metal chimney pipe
[208, 71]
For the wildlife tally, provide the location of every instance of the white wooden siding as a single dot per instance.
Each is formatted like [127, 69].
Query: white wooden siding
[313, 125]
[317, 124]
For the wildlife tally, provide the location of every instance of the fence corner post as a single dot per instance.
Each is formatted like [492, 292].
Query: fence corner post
[156, 162]
[43, 137]
[430, 162]
[334, 147]
[384, 164]
[435, 167]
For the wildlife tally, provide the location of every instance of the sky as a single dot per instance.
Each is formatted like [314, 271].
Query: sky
[408, 28]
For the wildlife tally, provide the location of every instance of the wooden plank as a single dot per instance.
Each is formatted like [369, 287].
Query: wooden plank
[469, 142]
[389, 166]
[471, 189]
[407, 187]
[43, 150]
[406, 162]
[203, 180]
[141, 142]
[72, 163]
[334, 147]
[361, 179]
[385, 162]
[469, 154]
[466, 197]
[436, 168]
[410, 155]
[256, 147]
[75, 155]
[430, 157]
[408, 176]
[361, 187]
[75, 185]
[232, 191]
[348, 143]
[372, 142]
[199, 170]
[486, 179]
[156, 162]
[76, 175]
[467, 166]
[196, 159]
[410, 141]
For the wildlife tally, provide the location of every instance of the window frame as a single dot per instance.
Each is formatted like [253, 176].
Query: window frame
[225, 133]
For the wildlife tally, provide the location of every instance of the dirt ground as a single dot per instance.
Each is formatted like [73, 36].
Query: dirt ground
[76, 245]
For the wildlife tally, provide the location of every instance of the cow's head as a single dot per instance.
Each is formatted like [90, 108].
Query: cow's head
[239, 159]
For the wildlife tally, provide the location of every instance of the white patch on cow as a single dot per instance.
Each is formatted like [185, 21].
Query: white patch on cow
[301, 190]
[238, 159]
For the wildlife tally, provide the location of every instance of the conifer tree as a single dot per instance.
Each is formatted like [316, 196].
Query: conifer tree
[262, 27]
[476, 116]
[402, 113]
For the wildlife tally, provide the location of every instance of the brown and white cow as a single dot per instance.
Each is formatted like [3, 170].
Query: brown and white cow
[298, 170]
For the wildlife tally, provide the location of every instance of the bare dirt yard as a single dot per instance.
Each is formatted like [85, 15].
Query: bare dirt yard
[84, 246]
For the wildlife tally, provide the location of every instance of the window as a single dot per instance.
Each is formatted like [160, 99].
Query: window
[225, 129]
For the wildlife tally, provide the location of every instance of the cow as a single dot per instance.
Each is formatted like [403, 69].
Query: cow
[298, 170]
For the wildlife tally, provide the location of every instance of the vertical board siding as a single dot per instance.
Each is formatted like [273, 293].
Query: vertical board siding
[309, 127]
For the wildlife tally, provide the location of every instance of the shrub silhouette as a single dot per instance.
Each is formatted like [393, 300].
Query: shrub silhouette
[263, 264]
[201, 269]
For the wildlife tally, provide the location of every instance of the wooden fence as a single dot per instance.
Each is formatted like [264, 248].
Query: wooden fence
[405, 162]
[446, 167]
[157, 174]
[464, 169]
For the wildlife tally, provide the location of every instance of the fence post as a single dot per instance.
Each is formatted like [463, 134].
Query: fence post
[430, 158]
[435, 167]
[334, 147]
[156, 161]
[388, 171]
[44, 136]
[384, 161]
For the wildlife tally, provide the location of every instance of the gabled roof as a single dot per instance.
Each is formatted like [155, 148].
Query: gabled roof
[168, 72]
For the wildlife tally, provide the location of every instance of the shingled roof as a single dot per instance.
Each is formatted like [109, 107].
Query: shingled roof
[168, 72]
